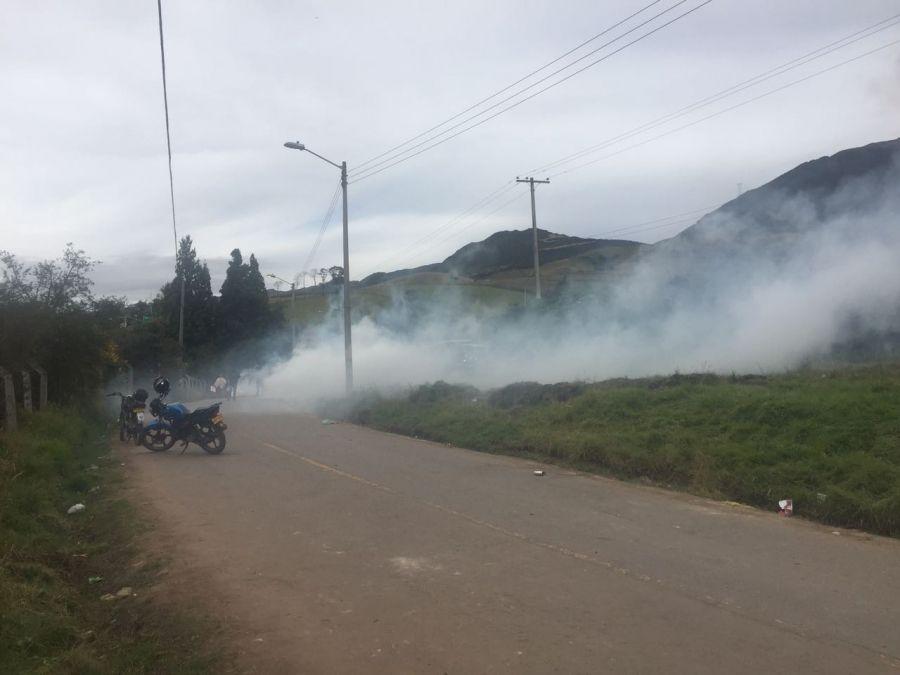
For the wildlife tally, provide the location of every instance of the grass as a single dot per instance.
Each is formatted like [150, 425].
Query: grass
[54, 567]
[829, 440]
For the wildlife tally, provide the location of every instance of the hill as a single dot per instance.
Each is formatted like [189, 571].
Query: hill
[511, 251]
[763, 227]
[852, 183]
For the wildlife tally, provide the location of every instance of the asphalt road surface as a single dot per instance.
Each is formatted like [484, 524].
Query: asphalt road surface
[339, 549]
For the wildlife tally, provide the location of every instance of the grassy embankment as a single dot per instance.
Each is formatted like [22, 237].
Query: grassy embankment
[55, 567]
[828, 440]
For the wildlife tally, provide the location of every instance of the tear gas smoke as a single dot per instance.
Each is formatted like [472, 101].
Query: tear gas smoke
[736, 293]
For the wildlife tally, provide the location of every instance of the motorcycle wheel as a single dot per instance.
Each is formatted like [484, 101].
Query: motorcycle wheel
[123, 435]
[138, 435]
[157, 440]
[213, 441]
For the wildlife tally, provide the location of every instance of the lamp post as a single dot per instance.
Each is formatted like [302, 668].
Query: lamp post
[348, 342]
[293, 315]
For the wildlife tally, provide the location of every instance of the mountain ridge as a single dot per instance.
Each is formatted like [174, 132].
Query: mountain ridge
[767, 218]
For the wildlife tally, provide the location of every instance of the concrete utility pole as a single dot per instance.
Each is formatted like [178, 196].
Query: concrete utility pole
[537, 258]
[348, 341]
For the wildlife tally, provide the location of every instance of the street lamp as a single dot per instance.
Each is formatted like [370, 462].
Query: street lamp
[293, 315]
[348, 343]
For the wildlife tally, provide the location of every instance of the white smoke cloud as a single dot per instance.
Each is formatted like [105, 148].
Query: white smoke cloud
[732, 297]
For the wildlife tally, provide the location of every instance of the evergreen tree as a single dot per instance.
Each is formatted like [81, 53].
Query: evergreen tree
[246, 319]
[199, 303]
[246, 314]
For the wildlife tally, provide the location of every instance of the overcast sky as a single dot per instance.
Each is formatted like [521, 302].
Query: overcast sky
[82, 132]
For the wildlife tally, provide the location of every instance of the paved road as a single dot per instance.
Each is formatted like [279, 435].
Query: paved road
[334, 548]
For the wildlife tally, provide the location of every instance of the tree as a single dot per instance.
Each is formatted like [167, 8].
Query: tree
[14, 287]
[57, 285]
[199, 303]
[246, 317]
[337, 273]
[47, 316]
[62, 283]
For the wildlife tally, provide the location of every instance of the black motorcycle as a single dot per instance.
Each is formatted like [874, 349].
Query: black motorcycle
[131, 415]
[203, 426]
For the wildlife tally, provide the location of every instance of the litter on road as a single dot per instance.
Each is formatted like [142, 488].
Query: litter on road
[538, 472]
[75, 508]
[124, 592]
[326, 421]
[786, 507]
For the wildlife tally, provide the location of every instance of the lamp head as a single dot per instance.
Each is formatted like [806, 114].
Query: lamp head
[295, 145]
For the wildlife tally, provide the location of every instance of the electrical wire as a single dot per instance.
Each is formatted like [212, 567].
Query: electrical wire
[407, 251]
[656, 222]
[162, 53]
[730, 91]
[728, 109]
[371, 170]
[329, 214]
[398, 159]
[758, 79]
[502, 206]
[508, 87]
[804, 59]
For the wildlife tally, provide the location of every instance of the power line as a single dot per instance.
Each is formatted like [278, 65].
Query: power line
[668, 223]
[779, 68]
[162, 54]
[730, 91]
[408, 250]
[508, 87]
[329, 214]
[730, 108]
[518, 195]
[372, 169]
[627, 229]
[399, 160]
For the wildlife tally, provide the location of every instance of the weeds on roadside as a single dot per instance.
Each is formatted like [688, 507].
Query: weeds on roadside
[828, 440]
[54, 567]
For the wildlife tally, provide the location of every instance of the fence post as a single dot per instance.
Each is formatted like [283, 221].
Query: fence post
[27, 398]
[9, 399]
[42, 385]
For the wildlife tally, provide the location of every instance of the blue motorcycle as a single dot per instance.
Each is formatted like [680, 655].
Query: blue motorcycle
[175, 422]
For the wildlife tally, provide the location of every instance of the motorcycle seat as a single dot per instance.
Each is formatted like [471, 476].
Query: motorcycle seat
[209, 411]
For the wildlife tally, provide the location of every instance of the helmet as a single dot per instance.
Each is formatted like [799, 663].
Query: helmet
[156, 407]
[161, 386]
[140, 395]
